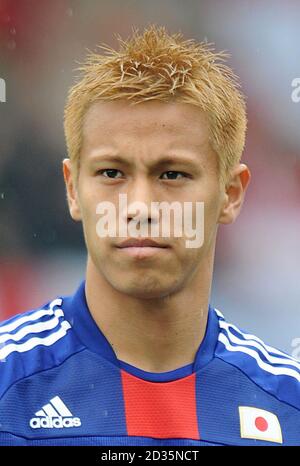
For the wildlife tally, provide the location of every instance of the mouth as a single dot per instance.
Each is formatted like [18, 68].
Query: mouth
[142, 248]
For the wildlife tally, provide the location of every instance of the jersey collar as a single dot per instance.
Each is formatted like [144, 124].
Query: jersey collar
[78, 314]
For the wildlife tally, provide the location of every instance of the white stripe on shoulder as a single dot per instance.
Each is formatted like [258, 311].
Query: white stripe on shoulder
[262, 364]
[249, 336]
[6, 328]
[278, 357]
[35, 341]
[219, 313]
[34, 328]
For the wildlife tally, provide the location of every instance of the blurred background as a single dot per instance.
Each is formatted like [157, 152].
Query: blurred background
[42, 254]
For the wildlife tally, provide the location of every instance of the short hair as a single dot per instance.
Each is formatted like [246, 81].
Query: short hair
[159, 66]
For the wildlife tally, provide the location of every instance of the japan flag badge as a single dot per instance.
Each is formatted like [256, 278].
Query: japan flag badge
[259, 424]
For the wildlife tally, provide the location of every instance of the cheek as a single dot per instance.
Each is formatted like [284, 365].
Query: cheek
[88, 205]
[212, 207]
[88, 197]
[89, 216]
[212, 202]
[211, 215]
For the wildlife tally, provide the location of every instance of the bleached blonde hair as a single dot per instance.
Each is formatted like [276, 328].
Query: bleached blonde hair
[155, 65]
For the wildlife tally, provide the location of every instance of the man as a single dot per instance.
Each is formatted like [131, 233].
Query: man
[137, 356]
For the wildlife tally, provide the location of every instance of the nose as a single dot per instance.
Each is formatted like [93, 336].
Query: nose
[140, 202]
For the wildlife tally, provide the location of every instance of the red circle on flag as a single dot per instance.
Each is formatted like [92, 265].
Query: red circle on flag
[261, 424]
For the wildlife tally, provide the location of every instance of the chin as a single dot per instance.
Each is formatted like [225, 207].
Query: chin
[147, 294]
[149, 288]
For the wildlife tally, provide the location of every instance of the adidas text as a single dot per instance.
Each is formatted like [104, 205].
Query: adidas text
[55, 422]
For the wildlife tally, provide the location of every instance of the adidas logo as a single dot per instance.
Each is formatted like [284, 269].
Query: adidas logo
[54, 414]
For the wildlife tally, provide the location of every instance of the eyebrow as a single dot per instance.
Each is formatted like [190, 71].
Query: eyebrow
[163, 161]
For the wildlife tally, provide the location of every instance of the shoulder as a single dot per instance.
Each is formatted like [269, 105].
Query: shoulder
[34, 341]
[271, 369]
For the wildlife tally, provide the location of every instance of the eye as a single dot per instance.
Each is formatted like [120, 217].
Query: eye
[111, 173]
[172, 175]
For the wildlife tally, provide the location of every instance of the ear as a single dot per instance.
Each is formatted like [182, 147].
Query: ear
[235, 190]
[71, 189]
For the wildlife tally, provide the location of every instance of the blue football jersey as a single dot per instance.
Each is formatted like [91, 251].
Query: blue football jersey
[61, 383]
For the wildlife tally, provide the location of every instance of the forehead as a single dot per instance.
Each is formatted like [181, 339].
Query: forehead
[172, 123]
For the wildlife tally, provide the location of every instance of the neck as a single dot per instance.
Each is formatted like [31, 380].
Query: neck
[155, 335]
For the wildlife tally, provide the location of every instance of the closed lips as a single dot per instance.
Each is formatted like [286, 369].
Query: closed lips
[130, 243]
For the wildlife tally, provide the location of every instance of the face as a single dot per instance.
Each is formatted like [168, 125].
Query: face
[150, 152]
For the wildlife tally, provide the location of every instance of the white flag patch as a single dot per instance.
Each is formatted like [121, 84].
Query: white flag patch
[259, 424]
